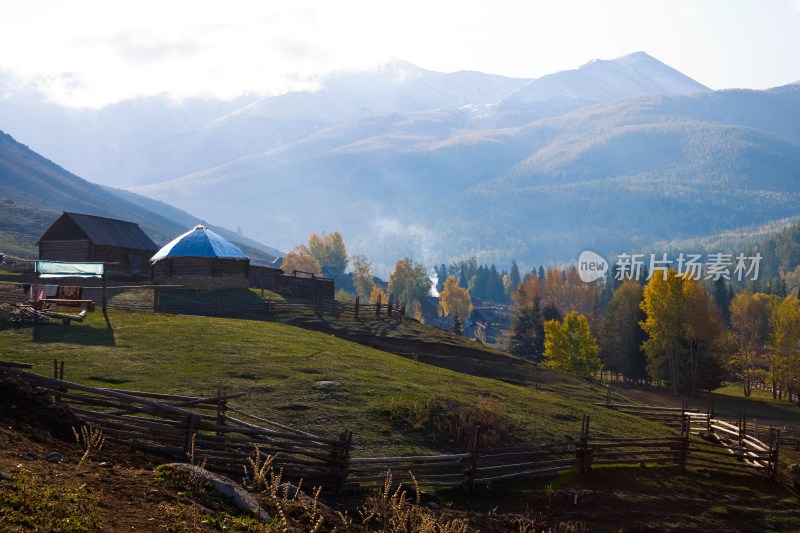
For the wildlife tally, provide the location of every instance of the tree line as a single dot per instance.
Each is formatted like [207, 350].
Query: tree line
[673, 330]
[670, 331]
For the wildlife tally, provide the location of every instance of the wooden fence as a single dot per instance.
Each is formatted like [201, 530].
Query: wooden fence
[198, 430]
[755, 449]
[222, 303]
[211, 431]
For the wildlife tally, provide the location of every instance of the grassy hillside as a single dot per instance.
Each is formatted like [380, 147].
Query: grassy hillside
[21, 227]
[392, 404]
[34, 192]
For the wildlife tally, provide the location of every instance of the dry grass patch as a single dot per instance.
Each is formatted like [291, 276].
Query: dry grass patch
[452, 421]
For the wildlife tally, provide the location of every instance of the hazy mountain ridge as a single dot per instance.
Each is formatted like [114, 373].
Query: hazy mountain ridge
[636, 74]
[615, 175]
[34, 191]
[617, 154]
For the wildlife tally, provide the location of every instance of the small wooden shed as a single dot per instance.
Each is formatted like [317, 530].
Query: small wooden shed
[201, 259]
[122, 245]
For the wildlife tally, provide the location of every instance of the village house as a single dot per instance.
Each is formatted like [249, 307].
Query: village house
[122, 245]
[201, 259]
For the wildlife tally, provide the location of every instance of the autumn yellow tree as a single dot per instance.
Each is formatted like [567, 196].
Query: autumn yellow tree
[409, 281]
[329, 249]
[362, 277]
[622, 335]
[454, 300]
[378, 295]
[785, 344]
[750, 328]
[526, 292]
[684, 333]
[300, 259]
[702, 335]
[664, 303]
[570, 347]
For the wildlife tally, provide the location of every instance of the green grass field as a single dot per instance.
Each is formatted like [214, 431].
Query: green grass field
[391, 403]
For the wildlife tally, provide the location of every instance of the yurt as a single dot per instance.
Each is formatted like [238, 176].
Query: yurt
[201, 259]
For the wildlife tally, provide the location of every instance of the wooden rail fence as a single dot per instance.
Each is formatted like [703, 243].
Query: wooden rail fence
[755, 449]
[198, 430]
[209, 430]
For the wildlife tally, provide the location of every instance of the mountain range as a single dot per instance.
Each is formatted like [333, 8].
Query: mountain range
[618, 155]
[34, 192]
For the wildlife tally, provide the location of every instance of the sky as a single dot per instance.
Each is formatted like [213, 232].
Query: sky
[92, 53]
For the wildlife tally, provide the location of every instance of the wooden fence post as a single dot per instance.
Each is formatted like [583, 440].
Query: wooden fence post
[155, 299]
[341, 458]
[188, 448]
[584, 452]
[378, 307]
[389, 306]
[608, 396]
[358, 301]
[56, 397]
[222, 406]
[774, 451]
[686, 431]
[742, 427]
[474, 447]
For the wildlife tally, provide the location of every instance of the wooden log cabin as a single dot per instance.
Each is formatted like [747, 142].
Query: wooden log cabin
[80, 237]
[201, 259]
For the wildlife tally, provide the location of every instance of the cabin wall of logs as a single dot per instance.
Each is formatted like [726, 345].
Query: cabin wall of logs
[202, 273]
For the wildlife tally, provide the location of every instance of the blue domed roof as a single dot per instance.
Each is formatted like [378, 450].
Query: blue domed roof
[200, 242]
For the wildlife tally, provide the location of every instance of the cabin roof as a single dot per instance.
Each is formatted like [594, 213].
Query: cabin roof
[103, 231]
[200, 242]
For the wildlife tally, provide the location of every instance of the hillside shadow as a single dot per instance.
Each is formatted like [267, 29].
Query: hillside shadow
[82, 334]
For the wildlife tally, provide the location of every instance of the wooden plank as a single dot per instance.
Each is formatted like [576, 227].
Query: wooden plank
[60, 385]
[731, 464]
[14, 364]
[399, 476]
[642, 460]
[633, 444]
[726, 469]
[531, 465]
[270, 422]
[406, 466]
[629, 454]
[596, 440]
[251, 428]
[528, 473]
[408, 459]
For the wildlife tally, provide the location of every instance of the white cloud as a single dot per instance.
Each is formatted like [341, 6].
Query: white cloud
[93, 51]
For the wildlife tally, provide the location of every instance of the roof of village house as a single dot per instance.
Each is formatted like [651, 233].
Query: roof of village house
[102, 231]
[200, 242]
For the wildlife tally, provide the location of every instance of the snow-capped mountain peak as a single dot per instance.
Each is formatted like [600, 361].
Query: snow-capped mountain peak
[602, 80]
